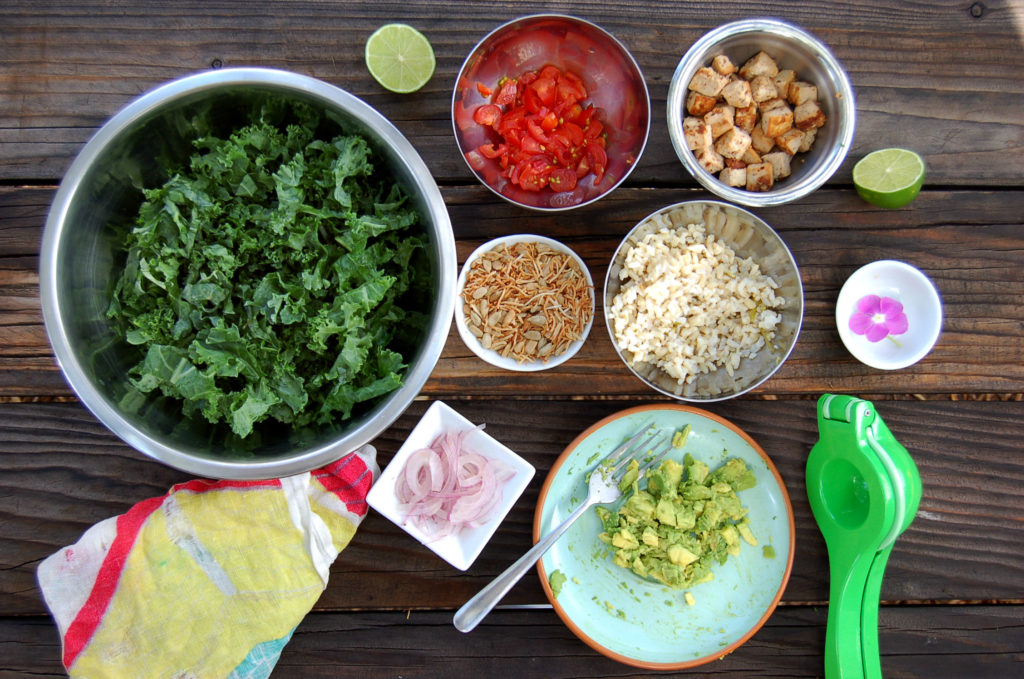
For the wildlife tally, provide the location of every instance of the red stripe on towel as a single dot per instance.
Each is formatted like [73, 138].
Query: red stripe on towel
[349, 479]
[82, 628]
[205, 485]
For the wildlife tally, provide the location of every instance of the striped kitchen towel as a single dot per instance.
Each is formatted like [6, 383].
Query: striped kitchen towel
[209, 580]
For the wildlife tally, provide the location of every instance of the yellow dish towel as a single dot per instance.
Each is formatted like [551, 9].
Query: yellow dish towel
[209, 580]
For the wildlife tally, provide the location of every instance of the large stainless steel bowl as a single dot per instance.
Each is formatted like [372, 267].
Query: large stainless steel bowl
[79, 262]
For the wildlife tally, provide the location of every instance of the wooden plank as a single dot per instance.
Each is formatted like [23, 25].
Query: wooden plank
[65, 68]
[981, 642]
[63, 472]
[968, 242]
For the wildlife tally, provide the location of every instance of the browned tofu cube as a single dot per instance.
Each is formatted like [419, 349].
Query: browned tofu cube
[777, 121]
[698, 104]
[710, 160]
[790, 140]
[723, 65]
[697, 133]
[759, 177]
[708, 82]
[762, 89]
[733, 144]
[782, 81]
[799, 92]
[751, 156]
[779, 160]
[734, 176]
[759, 64]
[760, 141]
[737, 93]
[769, 104]
[808, 141]
[808, 115]
[720, 118]
[745, 118]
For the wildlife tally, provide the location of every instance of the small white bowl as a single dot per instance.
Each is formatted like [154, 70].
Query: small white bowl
[459, 549]
[493, 357]
[905, 284]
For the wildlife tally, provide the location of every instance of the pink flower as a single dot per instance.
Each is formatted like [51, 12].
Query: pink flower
[878, 317]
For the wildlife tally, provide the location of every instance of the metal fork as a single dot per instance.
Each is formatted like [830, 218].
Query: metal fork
[604, 488]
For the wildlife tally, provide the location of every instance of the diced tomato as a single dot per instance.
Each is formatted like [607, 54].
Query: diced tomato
[598, 160]
[484, 90]
[562, 179]
[492, 151]
[507, 93]
[548, 138]
[487, 115]
[546, 90]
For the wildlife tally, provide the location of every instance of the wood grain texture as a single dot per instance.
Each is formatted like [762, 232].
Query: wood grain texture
[971, 244]
[928, 75]
[916, 642]
[63, 472]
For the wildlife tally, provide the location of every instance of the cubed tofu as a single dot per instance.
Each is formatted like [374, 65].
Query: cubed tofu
[779, 160]
[710, 160]
[783, 79]
[708, 82]
[808, 141]
[759, 64]
[745, 118]
[808, 115]
[769, 104]
[759, 177]
[720, 118]
[777, 121]
[734, 176]
[737, 93]
[723, 65]
[697, 133]
[698, 104]
[751, 156]
[762, 88]
[790, 140]
[760, 141]
[799, 92]
[733, 144]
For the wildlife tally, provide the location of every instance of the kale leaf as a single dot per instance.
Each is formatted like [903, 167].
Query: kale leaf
[264, 279]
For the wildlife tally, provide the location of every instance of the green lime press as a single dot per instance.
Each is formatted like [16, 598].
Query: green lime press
[864, 490]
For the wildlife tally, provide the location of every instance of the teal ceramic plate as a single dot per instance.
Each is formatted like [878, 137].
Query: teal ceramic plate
[644, 623]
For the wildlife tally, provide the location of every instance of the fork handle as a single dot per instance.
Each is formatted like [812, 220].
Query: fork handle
[476, 609]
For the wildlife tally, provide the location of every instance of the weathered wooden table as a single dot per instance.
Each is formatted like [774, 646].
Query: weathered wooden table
[944, 78]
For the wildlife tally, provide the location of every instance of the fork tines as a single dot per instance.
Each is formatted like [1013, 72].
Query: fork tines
[631, 449]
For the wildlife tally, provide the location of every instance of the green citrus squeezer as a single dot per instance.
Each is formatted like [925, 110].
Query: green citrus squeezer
[864, 490]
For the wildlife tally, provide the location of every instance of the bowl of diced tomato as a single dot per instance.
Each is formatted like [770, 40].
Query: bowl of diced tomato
[551, 112]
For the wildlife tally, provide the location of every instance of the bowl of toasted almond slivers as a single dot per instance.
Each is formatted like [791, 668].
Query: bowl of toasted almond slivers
[760, 112]
[525, 302]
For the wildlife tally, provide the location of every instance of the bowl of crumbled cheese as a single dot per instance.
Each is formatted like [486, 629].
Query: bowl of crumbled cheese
[703, 301]
[525, 302]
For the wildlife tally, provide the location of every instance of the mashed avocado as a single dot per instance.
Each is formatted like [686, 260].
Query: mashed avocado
[685, 520]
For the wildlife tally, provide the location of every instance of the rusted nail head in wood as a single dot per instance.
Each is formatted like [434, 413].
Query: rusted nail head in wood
[216, 63]
[977, 10]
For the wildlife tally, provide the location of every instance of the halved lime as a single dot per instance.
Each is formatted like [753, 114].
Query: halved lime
[400, 58]
[889, 178]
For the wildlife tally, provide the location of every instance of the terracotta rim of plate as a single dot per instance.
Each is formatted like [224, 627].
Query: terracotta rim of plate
[624, 658]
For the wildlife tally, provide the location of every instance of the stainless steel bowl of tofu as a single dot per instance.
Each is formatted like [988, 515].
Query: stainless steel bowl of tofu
[761, 112]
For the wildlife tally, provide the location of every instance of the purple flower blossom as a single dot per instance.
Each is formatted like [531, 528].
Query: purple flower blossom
[878, 318]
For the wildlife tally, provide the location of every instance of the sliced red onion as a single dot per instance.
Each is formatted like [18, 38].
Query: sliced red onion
[445, 488]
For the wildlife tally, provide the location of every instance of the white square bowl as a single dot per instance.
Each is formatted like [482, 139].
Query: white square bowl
[462, 548]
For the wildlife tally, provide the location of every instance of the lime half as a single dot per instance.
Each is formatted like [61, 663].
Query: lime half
[400, 58]
[889, 178]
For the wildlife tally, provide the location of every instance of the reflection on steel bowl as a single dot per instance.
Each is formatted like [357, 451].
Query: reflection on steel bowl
[613, 84]
[217, 405]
